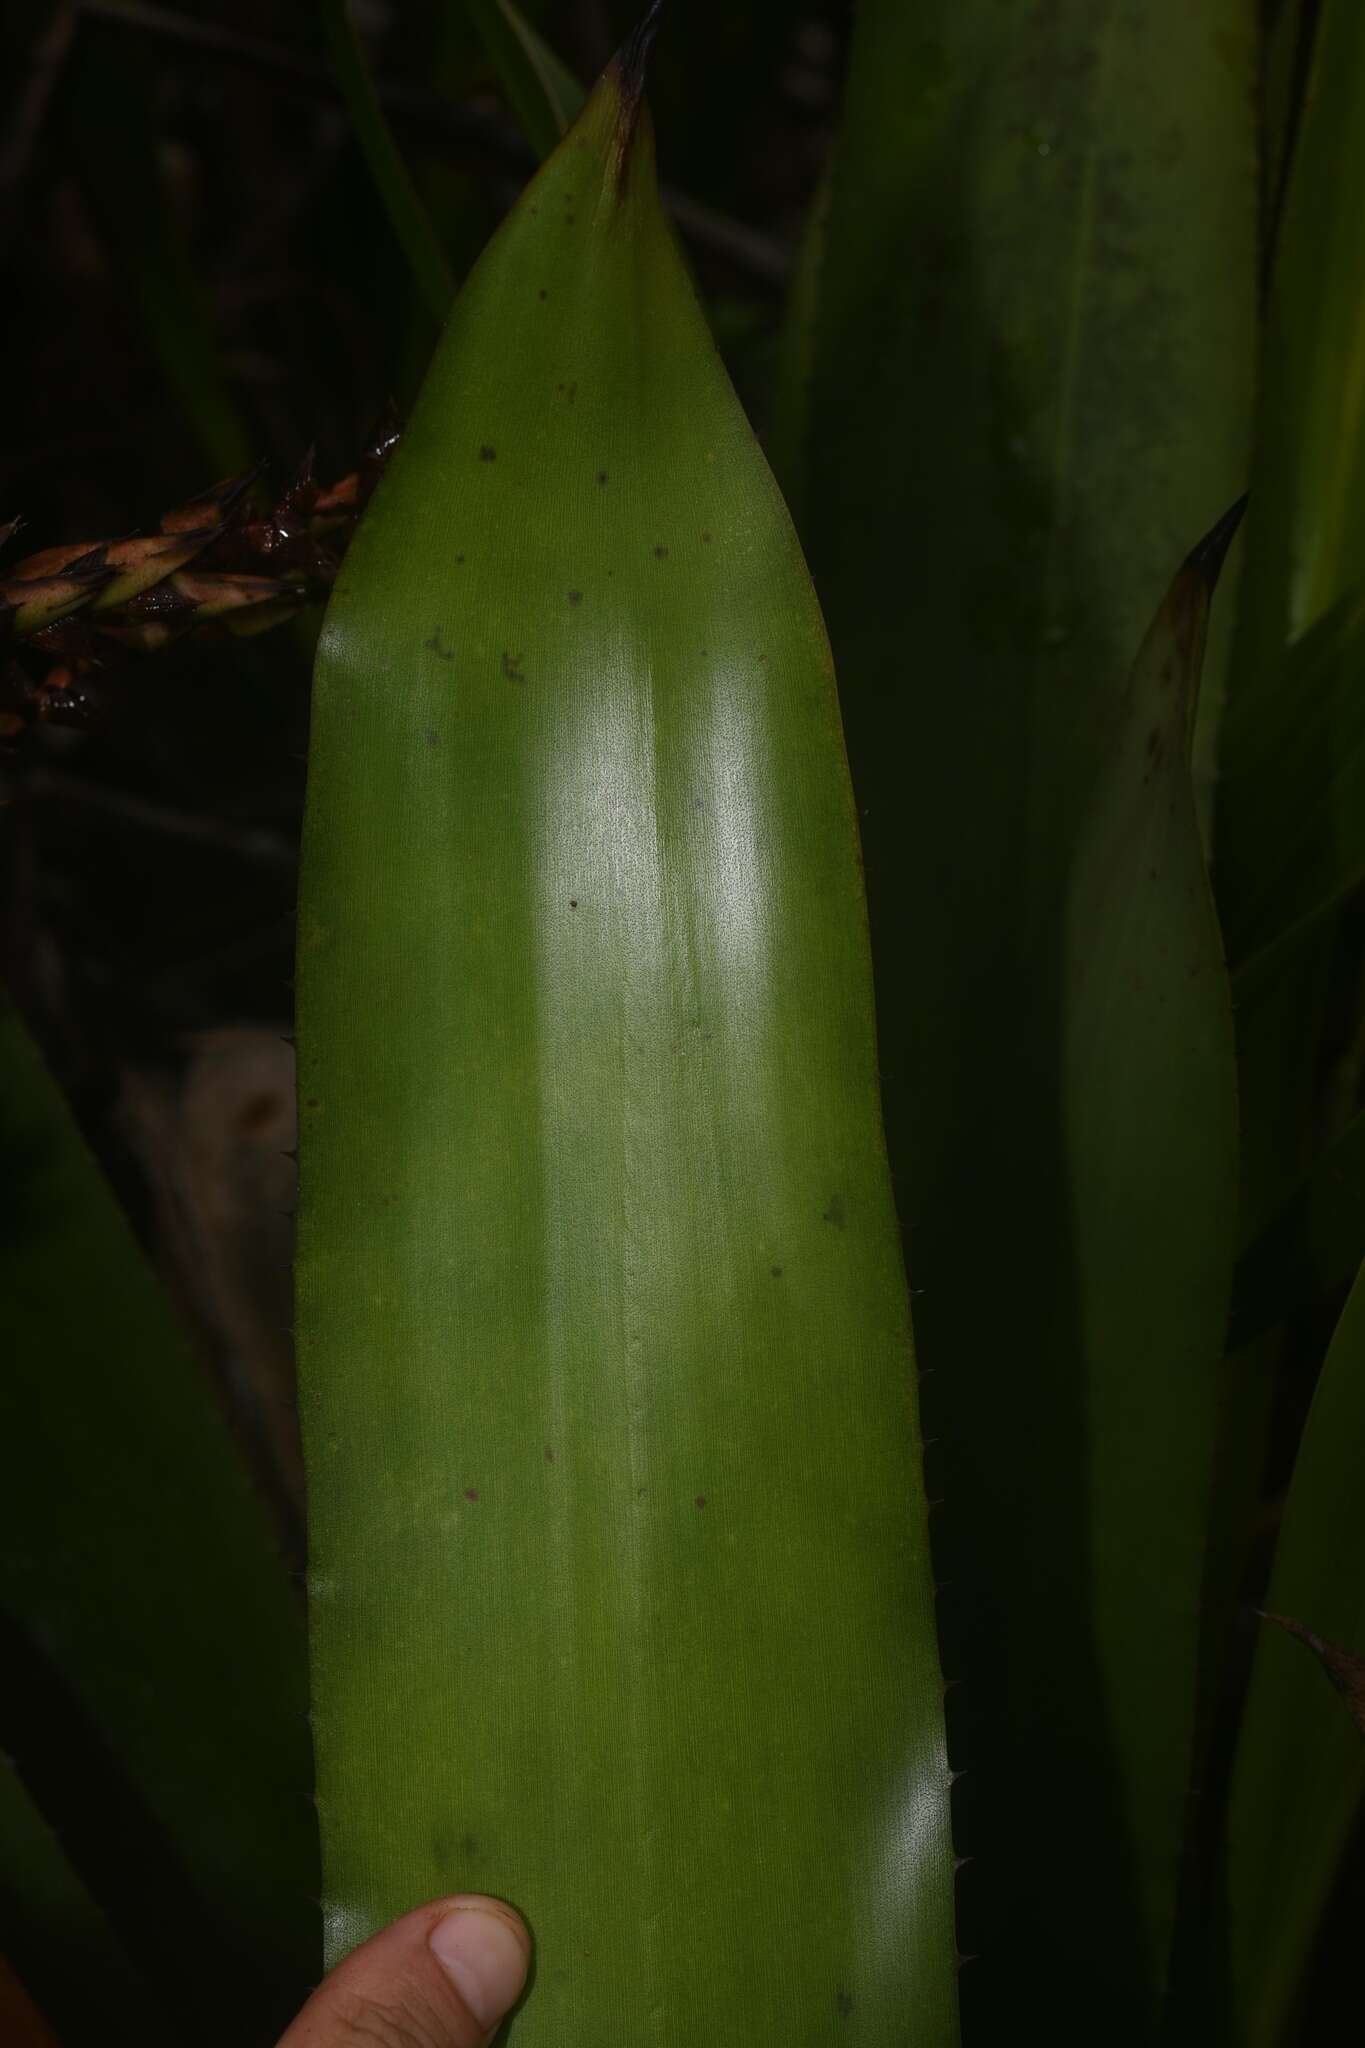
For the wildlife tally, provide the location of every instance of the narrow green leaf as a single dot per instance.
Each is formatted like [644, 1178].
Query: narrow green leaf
[788, 437]
[53, 1932]
[1311, 1246]
[1032, 384]
[133, 1554]
[1300, 1767]
[113, 142]
[542, 92]
[1287, 44]
[416, 237]
[606, 1368]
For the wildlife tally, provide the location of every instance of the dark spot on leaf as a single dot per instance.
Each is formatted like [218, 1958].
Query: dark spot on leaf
[843, 2002]
[834, 1212]
[311, 1103]
[549, 1454]
[575, 597]
[433, 646]
[601, 476]
[471, 1493]
[660, 553]
[542, 293]
[762, 660]
[701, 1500]
[487, 454]
[573, 903]
[469, 1845]
[706, 536]
[433, 739]
[511, 668]
[459, 560]
[777, 1272]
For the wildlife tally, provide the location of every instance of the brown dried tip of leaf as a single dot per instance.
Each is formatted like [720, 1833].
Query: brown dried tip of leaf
[1344, 1668]
[631, 63]
[215, 506]
[1206, 558]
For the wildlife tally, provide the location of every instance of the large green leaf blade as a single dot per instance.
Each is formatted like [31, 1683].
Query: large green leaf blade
[136, 1560]
[1299, 1774]
[606, 1371]
[1032, 385]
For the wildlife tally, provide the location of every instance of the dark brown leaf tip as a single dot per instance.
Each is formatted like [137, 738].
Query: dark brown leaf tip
[1207, 556]
[631, 64]
[1344, 1668]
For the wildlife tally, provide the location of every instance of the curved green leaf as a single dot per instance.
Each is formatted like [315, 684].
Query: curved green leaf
[1300, 1767]
[1032, 384]
[620, 1585]
[133, 1554]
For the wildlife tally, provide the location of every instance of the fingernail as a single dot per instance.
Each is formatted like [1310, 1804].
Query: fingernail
[485, 1953]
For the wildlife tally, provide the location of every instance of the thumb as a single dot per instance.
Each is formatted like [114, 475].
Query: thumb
[441, 1977]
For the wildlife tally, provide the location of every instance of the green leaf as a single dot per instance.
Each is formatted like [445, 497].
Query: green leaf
[55, 1935]
[1306, 535]
[1032, 385]
[788, 440]
[606, 1368]
[135, 1558]
[413, 231]
[1300, 1767]
[1312, 1245]
[1150, 1119]
[542, 92]
[112, 137]
[1292, 800]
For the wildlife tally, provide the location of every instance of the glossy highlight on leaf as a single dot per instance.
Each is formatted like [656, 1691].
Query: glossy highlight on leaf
[619, 1578]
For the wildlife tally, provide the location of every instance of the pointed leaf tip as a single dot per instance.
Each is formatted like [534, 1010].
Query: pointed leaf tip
[631, 63]
[1207, 556]
[1344, 1668]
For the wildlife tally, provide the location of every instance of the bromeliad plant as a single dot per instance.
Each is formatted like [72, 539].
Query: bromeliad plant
[621, 1593]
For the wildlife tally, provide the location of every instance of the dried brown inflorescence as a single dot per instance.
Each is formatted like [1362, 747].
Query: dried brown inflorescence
[226, 560]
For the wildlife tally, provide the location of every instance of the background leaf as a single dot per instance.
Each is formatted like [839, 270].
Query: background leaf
[1032, 387]
[1300, 1766]
[154, 1649]
[543, 92]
